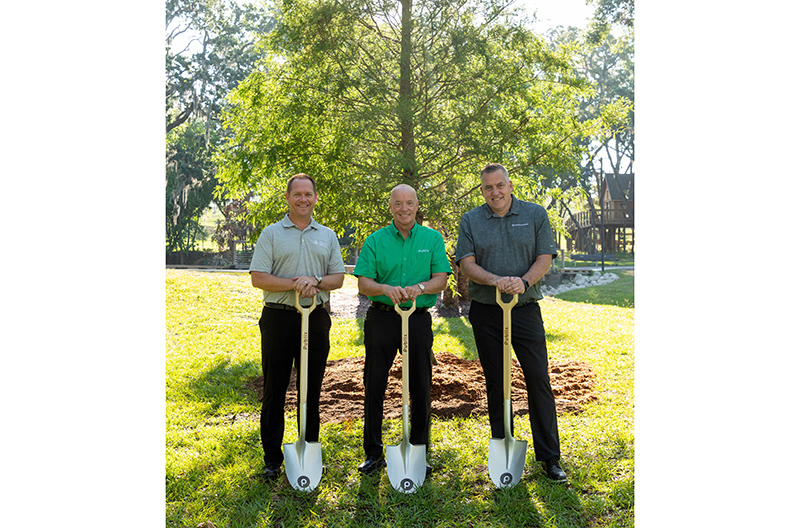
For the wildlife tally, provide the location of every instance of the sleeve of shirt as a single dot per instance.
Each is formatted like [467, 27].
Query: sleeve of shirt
[262, 254]
[545, 244]
[365, 265]
[335, 261]
[465, 246]
[439, 262]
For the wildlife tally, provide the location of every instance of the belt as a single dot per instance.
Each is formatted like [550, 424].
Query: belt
[281, 306]
[387, 308]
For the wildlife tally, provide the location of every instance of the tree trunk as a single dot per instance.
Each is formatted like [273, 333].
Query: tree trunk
[405, 100]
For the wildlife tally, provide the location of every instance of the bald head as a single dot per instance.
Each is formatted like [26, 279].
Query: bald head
[403, 204]
[402, 191]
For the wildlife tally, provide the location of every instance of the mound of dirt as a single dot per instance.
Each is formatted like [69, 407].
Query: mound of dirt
[458, 388]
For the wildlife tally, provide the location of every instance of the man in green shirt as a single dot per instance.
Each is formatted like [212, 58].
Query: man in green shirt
[399, 263]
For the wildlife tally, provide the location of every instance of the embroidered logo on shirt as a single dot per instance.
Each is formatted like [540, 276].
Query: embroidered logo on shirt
[519, 225]
[423, 251]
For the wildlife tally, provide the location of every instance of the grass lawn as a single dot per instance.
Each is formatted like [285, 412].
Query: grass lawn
[618, 293]
[213, 449]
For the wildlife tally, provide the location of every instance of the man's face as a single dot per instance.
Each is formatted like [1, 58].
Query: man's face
[496, 190]
[403, 204]
[301, 198]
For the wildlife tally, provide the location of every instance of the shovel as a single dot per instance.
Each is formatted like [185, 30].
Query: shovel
[506, 455]
[405, 463]
[303, 460]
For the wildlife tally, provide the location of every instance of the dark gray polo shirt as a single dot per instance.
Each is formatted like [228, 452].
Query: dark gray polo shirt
[505, 246]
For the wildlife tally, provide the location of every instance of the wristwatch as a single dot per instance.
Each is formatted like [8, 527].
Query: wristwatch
[421, 287]
[319, 280]
[525, 283]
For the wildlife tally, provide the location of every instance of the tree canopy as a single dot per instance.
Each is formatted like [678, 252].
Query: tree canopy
[367, 94]
[210, 47]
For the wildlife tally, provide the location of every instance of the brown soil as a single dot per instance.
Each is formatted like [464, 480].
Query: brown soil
[458, 387]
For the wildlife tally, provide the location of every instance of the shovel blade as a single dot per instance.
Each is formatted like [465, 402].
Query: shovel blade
[303, 463]
[506, 461]
[405, 465]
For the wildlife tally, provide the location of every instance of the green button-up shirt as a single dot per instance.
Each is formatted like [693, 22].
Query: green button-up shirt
[390, 259]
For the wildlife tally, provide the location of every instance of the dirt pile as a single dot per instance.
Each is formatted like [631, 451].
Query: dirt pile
[457, 390]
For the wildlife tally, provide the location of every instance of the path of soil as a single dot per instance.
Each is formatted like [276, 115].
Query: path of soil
[458, 387]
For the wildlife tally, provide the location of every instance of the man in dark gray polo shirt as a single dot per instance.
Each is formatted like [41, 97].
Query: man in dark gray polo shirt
[507, 244]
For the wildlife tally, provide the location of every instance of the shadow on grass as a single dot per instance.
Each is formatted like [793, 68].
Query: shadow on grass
[224, 383]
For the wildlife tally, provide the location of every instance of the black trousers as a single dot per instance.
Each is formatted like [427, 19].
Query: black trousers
[528, 342]
[280, 347]
[382, 336]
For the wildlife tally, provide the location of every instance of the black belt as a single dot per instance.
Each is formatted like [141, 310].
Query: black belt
[281, 306]
[387, 308]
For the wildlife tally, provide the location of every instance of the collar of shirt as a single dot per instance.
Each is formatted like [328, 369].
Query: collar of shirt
[514, 209]
[286, 222]
[397, 231]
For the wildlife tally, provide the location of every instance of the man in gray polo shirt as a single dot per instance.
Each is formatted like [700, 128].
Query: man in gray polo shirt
[294, 254]
[507, 244]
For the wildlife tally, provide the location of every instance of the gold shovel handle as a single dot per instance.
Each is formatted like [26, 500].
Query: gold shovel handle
[506, 306]
[405, 314]
[302, 398]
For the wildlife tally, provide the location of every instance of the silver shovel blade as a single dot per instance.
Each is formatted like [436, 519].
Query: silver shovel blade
[405, 465]
[506, 460]
[303, 463]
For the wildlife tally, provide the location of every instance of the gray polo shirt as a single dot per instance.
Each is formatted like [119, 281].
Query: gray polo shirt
[286, 251]
[505, 246]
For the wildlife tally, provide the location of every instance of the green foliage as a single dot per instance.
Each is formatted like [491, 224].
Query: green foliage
[212, 433]
[608, 13]
[219, 39]
[364, 99]
[190, 185]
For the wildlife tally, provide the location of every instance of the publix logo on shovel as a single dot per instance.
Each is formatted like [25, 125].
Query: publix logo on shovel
[506, 479]
[303, 481]
[407, 485]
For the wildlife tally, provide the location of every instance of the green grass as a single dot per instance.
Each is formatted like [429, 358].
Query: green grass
[213, 449]
[618, 293]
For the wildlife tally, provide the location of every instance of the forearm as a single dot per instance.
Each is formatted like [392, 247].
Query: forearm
[476, 273]
[509, 284]
[540, 266]
[372, 288]
[269, 282]
[435, 284]
[305, 284]
[334, 281]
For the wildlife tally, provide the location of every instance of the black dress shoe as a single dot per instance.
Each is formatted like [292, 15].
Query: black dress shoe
[371, 464]
[271, 471]
[554, 471]
[428, 469]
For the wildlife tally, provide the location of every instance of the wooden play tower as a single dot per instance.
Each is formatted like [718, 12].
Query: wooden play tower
[610, 227]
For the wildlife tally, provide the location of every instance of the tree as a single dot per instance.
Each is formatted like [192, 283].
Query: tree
[189, 188]
[366, 94]
[217, 50]
[608, 65]
[609, 13]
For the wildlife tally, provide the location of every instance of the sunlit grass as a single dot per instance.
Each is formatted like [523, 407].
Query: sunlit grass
[213, 449]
